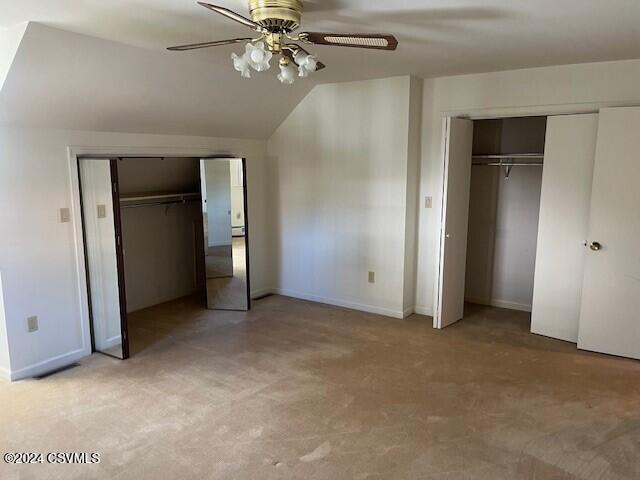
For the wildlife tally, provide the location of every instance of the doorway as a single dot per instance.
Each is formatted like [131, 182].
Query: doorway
[147, 237]
[490, 221]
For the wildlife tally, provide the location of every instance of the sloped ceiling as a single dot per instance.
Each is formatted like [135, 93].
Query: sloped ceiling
[70, 81]
[119, 77]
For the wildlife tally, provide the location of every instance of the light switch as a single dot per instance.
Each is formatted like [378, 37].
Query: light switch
[65, 215]
[32, 324]
[102, 211]
[372, 277]
[428, 202]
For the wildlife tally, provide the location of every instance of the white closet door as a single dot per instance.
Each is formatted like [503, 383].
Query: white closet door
[610, 313]
[455, 220]
[564, 224]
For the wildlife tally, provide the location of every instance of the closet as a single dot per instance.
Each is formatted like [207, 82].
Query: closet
[504, 202]
[160, 229]
[543, 215]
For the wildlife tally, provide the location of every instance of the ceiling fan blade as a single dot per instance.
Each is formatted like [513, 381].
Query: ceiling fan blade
[374, 41]
[194, 46]
[232, 15]
[292, 48]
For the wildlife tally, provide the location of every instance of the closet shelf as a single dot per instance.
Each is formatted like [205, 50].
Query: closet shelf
[512, 156]
[157, 198]
[510, 160]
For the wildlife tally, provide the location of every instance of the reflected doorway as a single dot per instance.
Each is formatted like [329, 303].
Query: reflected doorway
[224, 206]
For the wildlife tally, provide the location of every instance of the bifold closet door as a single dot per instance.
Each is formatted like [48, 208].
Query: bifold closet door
[564, 224]
[455, 222]
[103, 251]
[610, 312]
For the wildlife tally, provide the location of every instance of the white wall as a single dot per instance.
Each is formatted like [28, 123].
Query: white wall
[39, 264]
[10, 40]
[340, 191]
[541, 91]
[5, 364]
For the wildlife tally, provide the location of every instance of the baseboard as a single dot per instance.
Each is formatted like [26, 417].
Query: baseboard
[423, 310]
[500, 304]
[45, 366]
[408, 312]
[387, 312]
[5, 374]
[262, 292]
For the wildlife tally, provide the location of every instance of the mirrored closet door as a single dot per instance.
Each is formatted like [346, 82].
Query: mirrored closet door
[225, 233]
[103, 256]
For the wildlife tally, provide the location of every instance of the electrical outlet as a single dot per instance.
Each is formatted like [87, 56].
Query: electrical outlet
[32, 324]
[372, 277]
[65, 215]
[102, 211]
[428, 202]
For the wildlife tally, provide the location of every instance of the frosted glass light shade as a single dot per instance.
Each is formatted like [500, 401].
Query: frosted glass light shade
[306, 63]
[241, 64]
[287, 74]
[258, 57]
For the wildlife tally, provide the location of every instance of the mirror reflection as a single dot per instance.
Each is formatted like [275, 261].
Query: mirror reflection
[223, 208]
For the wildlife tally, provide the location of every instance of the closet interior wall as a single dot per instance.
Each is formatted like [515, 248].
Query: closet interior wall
[503, 214]
[162, 235]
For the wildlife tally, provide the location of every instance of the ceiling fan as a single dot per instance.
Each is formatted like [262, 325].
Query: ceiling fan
[274, 21]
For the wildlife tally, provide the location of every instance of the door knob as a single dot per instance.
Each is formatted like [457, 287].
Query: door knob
[595, 246]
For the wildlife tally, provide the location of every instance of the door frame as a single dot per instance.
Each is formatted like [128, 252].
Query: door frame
[108, 153]
[488, 114]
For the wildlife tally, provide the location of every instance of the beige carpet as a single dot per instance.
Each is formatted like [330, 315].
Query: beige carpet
[295, 390]
[230, 293]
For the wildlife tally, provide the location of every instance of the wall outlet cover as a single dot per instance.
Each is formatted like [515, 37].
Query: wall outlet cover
[102, 211]
[428, 202]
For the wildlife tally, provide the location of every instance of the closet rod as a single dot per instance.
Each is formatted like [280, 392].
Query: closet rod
[155, 204]
[530, 164]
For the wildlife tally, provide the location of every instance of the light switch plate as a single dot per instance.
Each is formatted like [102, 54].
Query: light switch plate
[372, 277]
[428, 202]
[65, 215]
[32, 324]
[102, 211]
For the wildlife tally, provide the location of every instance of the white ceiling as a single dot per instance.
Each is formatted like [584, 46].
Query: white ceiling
[437, 37]
[101, 84]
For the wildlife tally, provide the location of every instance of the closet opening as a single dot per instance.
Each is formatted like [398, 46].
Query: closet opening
[504, 207]
[490, 223]
[161, 233]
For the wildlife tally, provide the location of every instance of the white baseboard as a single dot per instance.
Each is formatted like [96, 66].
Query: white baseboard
[408, 312]
[5, 374]
[49, 365]
[423, 310]
[387, 312]
[501, 304]
[261, 292]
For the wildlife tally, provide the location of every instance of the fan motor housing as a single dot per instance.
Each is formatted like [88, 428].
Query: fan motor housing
[276, 15]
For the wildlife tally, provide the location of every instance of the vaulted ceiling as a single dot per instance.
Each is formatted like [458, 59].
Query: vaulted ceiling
[124, 80]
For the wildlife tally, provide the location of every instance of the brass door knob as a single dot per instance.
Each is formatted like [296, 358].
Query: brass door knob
[595, 246]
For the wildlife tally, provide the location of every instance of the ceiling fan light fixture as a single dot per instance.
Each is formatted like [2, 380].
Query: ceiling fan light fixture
[258, 56]
[306, 62]
[287, 73]
[273, 21]
[241, 65]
